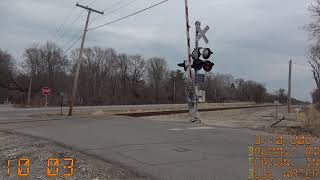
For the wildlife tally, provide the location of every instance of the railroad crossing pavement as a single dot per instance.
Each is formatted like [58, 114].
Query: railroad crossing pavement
[161, 150]
[150, 147]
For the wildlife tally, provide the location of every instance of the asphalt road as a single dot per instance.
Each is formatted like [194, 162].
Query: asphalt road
[161, 150]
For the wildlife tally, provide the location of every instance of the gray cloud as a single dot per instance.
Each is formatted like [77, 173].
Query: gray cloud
[252, 39]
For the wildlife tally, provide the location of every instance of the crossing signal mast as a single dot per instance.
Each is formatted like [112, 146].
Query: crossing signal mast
[197, 65]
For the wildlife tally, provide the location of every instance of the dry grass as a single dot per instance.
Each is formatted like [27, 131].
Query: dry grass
[312, 119]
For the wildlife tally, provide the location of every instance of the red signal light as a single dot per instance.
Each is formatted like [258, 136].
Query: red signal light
[207, 66]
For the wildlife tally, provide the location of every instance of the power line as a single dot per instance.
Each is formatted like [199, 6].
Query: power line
[71, 41]
[80, 1]
[137, 12]
[64, 22]
[301, 64]
[114, 10]
[75, 20]
[77, 38]
[91, 2]
[69, 48]
[60, 32]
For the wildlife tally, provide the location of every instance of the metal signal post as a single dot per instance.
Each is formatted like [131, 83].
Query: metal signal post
[196, 88]
[78, 64]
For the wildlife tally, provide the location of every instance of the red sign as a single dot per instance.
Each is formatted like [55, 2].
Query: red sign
[46, 91]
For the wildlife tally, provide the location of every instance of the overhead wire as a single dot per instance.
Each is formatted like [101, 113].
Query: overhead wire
[60, 33]
[70, 47]
[75, 19]
[114, 10]
[108, 23]
[69, 42]
[301, 64]
[77, 38]
[91, 2]
[132, 14]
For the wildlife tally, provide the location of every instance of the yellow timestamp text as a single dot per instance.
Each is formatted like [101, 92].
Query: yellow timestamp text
[55, 167]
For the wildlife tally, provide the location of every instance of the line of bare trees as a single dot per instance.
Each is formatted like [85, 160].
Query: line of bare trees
[313, 53]
[110, 78]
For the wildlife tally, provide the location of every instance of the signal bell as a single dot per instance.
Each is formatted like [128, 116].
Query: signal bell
[183, 65]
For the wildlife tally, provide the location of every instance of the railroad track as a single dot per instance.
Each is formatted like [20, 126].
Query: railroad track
[157, 113]
[135, 114]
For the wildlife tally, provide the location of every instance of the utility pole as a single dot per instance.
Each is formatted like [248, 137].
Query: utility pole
[289, 87]
[78, 64]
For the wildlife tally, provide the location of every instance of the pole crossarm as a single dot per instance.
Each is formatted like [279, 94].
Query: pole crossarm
[89, 9]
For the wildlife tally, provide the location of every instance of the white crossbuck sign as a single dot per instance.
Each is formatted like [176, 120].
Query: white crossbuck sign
[202, 34]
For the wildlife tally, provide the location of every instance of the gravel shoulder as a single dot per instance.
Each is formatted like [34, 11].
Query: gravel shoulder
[15, 146]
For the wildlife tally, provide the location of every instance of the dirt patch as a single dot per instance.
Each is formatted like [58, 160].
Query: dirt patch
[15, 146]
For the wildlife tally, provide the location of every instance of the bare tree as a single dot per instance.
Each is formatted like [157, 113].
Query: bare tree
[137, 73]
[314, 52]
[315, 96]
[314, 27]
[175, 87]
[281, 95]
[314, 61]
[137, 69]
[157, 71]
[46, 65]
[8, 72]
[123, 65]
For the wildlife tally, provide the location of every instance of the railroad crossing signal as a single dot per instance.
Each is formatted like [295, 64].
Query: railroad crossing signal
[197, 65]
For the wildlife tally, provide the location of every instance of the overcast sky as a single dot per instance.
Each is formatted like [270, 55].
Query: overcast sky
[251, 39]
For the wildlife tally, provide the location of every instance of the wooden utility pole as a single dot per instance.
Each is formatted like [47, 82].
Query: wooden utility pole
[289, 87]
[78, 64]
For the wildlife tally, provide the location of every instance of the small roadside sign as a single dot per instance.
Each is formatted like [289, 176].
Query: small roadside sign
[46, 91]
[201, 77]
